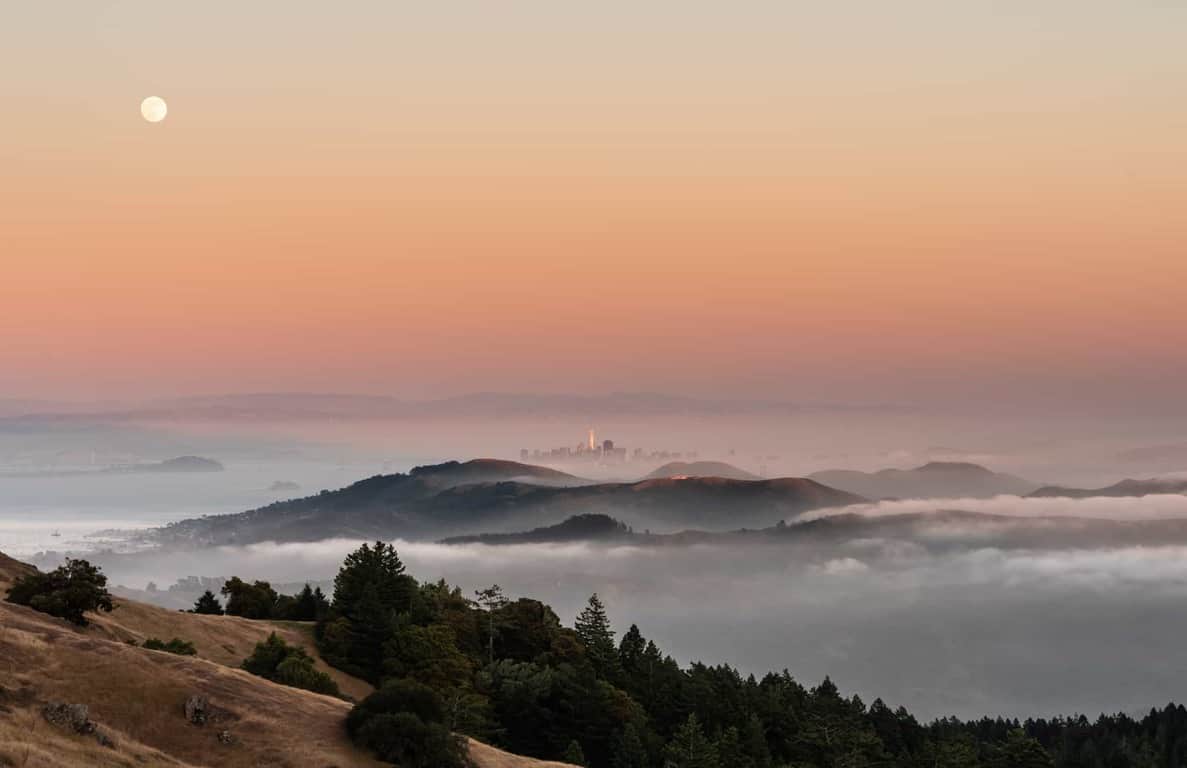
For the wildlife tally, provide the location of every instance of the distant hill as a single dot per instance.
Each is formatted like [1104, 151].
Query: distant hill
[136, 696]
[1128, 487]
[938, 479]
[488, 496]
[701, 469]
[179, 464]
[454, 473]
[576, 528]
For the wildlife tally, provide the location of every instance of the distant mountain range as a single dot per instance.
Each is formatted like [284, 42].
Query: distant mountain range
[701, 469]
[179, 464]
[487, 495]
[1128, 487]
[938, 479]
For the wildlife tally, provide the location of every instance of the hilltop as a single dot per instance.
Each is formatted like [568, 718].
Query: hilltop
[486, 495]
[137, 696]
[681, 469]
[934, 480]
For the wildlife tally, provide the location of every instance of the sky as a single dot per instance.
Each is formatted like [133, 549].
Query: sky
[916, 201]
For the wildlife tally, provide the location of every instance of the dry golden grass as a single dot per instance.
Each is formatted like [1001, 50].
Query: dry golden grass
[486, 756]
[226, 640]
[27, 741]
[138, 695]
[10, 569]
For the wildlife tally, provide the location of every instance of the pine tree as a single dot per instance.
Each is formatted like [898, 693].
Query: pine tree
[689, 748]
[491, 599]
[631, 650]
[628, 750]
[208, 604]
[729, 750]
[593, 629]
[377, 568]
[754, 743]
[305, 606]
[1020, 751]
[574, 754]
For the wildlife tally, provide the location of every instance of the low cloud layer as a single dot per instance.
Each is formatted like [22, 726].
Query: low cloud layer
[1154, 507]
[967, 629]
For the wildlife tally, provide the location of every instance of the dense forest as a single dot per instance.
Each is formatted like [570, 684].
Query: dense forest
[508, 672]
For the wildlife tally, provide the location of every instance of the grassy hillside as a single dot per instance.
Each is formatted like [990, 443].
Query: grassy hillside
[137, 696]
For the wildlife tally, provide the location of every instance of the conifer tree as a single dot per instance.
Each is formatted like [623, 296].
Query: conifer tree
[631, 650]
[208, 604]
[574, 754]
[1020, 751]
[593, 629]
[491, 599]
[689, 748]
[628, 750]
[754, 743]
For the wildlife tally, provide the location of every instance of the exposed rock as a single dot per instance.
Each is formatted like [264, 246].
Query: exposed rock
[197, 709]
[75, 717]
[226, 737]
[71, 716]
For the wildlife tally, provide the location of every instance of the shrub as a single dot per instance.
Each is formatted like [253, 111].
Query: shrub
[176, 645]
[67, 592]
[404, 723]
[276, 660]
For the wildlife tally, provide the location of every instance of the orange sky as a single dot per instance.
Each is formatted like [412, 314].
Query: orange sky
[785, 200]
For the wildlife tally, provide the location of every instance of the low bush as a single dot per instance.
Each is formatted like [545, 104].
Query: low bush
[176, 645]
[276, 660]
[404, 723]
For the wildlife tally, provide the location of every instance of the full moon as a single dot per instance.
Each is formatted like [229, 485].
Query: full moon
[154, 109]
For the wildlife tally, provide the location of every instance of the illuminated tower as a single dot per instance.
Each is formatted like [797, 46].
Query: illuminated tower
[593, 441]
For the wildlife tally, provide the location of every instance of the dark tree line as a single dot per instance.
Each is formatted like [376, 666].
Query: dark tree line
[258, 600]
[508, 672]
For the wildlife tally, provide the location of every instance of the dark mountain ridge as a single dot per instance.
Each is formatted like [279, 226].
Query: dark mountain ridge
[493, 496]
[600, 528]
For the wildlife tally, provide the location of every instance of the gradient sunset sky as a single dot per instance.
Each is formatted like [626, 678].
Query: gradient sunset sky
[849, 201]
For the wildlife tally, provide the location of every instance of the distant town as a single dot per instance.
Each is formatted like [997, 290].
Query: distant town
[604, 452]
